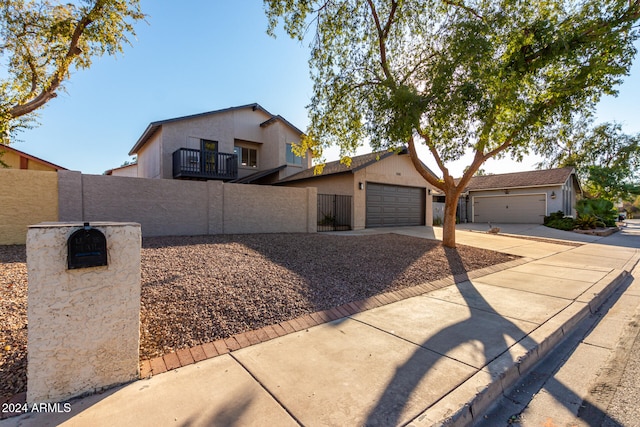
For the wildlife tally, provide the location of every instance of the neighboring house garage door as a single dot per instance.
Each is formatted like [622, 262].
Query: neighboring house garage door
[520, 209]
[393, 205]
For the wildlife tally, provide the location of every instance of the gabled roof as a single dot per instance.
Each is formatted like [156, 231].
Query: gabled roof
[4, 147]
[537, 178]
[335, 167]
[155, 126]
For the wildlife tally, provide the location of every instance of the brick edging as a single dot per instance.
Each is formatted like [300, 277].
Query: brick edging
[198, 353]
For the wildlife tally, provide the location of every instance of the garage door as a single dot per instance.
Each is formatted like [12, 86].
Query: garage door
[522, 209]
[393, 205]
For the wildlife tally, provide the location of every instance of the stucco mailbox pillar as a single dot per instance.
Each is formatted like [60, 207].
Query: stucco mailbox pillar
[84, 317]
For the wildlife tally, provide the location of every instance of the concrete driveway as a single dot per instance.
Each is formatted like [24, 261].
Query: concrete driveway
[531, 230]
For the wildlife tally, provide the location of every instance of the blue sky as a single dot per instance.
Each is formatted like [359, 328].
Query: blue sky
[196, 56]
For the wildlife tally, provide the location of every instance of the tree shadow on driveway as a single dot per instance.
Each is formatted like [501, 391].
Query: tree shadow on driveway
[485, 328]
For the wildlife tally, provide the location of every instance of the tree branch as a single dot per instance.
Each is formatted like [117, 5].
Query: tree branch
[382, 34]
[417, 164]
[49, 91]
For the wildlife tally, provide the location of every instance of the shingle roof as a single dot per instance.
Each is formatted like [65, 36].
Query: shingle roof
[332, 168]
[535, 178]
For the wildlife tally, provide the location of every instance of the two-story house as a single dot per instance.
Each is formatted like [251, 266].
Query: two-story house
[244, 144]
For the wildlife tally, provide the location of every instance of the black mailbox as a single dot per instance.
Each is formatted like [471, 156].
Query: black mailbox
[86, 247]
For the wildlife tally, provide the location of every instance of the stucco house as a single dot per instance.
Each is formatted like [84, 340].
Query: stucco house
[378, 190]
[245, 144]
[16, 159]
[520, 197]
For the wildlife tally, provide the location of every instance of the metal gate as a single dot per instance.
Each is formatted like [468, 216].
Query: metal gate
[334, 212]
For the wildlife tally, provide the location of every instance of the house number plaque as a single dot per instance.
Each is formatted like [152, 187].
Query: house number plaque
[86, 247]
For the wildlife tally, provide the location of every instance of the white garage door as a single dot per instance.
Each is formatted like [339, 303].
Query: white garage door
[394, 205]
[517, 209]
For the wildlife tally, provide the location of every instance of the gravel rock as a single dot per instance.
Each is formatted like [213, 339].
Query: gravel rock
[197, 289]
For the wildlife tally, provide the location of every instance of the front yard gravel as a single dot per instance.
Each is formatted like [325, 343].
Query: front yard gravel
[199, 289]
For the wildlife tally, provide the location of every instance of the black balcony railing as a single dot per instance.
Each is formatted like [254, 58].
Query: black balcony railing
[202, 164]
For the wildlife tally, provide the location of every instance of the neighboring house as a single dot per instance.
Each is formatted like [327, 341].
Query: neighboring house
[520, 197]
[17, 159]
[244, 144]
[130, 170]
[377, 190]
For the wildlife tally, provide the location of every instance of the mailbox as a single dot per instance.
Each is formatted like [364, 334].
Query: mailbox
[86, 247]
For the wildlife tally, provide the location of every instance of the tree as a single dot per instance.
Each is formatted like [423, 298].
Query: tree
[606, 159]
[41, 42]
[479, 75]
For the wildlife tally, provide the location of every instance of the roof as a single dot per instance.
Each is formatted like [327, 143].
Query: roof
[537, 178]
[255, 176]
[155, 126]
[130, 165]
[4, 147]
[335, 167]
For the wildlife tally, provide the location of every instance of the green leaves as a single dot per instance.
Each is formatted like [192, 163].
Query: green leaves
[606, 160]
[42, 41]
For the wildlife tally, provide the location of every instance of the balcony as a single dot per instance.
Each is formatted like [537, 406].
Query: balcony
[201, 164]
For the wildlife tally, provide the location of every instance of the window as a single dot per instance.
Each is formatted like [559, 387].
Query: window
[291, 157]
[247, 157]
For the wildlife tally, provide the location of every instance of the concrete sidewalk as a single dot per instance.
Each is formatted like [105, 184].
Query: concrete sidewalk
[446, 354]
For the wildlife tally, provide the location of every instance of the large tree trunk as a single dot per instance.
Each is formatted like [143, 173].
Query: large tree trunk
[449, 220]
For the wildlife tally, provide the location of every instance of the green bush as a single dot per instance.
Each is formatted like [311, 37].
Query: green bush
[588, 222]
[602, 209]
[567, 224]
[554, 216]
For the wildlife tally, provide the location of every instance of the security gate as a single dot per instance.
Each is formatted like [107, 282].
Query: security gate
[334, 212]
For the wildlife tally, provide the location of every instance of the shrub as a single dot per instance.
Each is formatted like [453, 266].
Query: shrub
[588, 222]
[553, 216]
[600, 208]
[567, 224]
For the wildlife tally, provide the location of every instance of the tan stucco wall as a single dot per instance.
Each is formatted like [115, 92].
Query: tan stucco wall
[331, 184]
[264, 209]
[150, 159]
[129, 170]
[175, 207]
[155, 158]
[394, 170]
[84, 324]
[13, 161]
[27, 197]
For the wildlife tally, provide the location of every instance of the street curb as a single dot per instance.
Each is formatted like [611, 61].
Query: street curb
[478, 405]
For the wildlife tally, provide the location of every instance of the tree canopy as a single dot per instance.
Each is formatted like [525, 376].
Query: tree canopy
[606, 159]
[479, 76]
[42, 41]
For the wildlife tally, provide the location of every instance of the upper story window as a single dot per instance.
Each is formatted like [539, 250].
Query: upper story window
[292, 159]
[247, 157]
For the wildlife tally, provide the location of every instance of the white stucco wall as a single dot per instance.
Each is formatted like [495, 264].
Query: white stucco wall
[84, 324]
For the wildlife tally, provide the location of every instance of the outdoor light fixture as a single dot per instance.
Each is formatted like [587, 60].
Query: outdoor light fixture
[553, 194]
[361, 185]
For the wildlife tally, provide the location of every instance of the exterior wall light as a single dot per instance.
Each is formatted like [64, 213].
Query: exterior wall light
[361, 185]
[553, 194]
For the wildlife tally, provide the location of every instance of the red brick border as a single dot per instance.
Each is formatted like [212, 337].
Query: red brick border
[188, 356]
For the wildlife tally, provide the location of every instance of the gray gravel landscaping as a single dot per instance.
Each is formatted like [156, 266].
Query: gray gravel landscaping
[198, 289]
